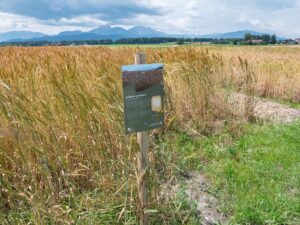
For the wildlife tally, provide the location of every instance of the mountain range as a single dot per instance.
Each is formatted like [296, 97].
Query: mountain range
[236, 34]
[108, 32]
[19, 35]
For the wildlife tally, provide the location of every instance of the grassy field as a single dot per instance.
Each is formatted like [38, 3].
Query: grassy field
[64, 158]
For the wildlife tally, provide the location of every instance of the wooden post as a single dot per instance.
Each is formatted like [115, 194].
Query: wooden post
[143, 162]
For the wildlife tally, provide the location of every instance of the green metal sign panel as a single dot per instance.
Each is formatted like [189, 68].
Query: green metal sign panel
[143, 91]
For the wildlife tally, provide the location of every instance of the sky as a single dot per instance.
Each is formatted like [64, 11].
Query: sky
[170, 16]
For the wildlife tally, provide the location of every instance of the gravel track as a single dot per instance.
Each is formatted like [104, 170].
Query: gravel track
[263, 109]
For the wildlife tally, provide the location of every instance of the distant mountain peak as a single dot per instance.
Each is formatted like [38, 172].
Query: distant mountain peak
[141, 30]
[73, 32]
[138, 31]
[20, 35]
[108, 30]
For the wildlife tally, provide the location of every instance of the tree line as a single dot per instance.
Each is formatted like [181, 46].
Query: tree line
[265, 38]
[248, 39]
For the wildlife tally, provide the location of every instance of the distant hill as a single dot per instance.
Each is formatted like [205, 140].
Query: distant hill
[25, 35]
[100, 33]
[113, 33]
[138, 31]
[235, 34]
[84, 36]
[69, 33]
[141, 31]
[108, 30]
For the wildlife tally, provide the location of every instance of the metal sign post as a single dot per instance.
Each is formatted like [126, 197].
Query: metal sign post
[143, 107]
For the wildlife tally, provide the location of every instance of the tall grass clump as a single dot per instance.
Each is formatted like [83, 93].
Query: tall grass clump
[195, 90]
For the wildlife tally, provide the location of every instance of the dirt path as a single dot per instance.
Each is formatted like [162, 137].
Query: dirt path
[263, 109]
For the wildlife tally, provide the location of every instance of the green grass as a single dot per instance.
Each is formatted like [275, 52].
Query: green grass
[256, 177]
[259, 176]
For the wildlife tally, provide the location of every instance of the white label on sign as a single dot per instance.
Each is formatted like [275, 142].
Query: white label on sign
[156, 103]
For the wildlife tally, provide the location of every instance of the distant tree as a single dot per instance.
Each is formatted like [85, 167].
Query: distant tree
[273, 39]
[248, 37]
[180, 41]
[189, 40]
[266, 38]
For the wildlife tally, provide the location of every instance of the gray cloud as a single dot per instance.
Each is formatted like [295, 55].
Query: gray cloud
[55, 9]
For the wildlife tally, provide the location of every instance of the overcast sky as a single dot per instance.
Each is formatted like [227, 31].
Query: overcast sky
[171, 16]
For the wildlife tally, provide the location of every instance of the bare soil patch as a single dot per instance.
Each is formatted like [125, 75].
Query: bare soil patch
[207, 204]
[197, 191]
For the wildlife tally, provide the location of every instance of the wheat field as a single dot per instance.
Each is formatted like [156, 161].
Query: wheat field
[63, 152]
[277, 69]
